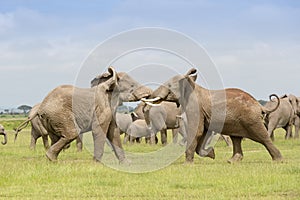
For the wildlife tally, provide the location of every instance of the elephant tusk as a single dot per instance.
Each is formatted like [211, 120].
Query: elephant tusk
[152, 104]
[150, 100]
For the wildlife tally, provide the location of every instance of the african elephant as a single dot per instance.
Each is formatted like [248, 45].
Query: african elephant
[138, 129]
[68, 111]
[3, 132]
[124, 120]
[297, 120]
[160, 118]
[38, 130]
[230, 112]
[284, 116]
[297, 126]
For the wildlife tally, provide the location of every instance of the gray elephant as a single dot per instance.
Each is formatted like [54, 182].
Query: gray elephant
[3, 132]
[297, 120]
[68, 111]
[230, 112]
[297, 126]
[163, 117]
[138, 129]
[38, 130]
[284, 116]
[123, 121]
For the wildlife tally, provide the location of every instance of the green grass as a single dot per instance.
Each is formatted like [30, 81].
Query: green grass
[27, 174]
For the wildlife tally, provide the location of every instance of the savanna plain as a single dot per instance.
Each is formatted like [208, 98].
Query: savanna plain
[27, 174]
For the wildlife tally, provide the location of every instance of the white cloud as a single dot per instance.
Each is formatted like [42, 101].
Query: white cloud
[6, 22]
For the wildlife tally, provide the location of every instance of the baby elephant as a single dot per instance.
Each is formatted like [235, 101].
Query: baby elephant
[133, 127]
[2, 132]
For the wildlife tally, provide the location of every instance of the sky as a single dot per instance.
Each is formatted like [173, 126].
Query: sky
[254, 45]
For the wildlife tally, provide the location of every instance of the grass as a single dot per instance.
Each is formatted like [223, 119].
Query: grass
[27, 174]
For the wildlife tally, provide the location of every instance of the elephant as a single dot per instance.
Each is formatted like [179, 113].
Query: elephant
[68, 111]
[38, 130]
[163, 117]
[137, 129]
[284, 116]
[297, 126]
[123, 121]
[230, 112]
[3, 132]
[297, 121]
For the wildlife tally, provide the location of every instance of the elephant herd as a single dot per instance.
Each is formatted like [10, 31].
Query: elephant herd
[180, 104]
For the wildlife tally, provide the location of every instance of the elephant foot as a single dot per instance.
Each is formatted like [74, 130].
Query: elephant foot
[211, 154]
[51, 156]
[236, 158]
[278, 159]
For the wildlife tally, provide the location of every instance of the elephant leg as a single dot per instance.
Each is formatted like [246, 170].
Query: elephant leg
[297, 125]
[32, 143]
[237, 149]
[259, 134]
[271, 127]
[126, 138]
[45, 141]
[79, 142]
[115, 139]
[210, 154]
[34, 136]
[163, 134]
[175, 135]
[55, 149]
[54, 138]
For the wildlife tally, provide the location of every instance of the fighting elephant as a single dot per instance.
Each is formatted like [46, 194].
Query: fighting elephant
[284, 116]
[68, 111]
[160, 118]
[38, 130]
[3, 132]
[230, 112]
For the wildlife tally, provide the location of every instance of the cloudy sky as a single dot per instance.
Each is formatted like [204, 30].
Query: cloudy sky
[255, 45]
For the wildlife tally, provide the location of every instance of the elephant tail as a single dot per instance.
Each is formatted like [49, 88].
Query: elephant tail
[266, 111]
[23, 125]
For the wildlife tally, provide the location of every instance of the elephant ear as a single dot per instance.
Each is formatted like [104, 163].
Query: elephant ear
[187, 85]
[105, 77]
[192, 73]
[112, 82]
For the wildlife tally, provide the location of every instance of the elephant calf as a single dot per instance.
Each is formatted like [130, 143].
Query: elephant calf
[3, 132]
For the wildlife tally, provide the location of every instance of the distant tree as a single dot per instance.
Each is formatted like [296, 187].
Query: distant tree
[25, 108]
[6, 110]
[262, 102]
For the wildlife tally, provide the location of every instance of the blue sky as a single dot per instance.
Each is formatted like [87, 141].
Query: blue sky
[254, 44]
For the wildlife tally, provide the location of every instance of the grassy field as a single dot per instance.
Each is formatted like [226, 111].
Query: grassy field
[27, 174]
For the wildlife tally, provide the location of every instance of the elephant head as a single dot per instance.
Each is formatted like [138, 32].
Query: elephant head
[178, 89]
[2, 132]
[294, 101]
[121, 87]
